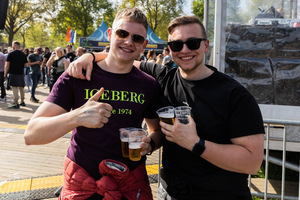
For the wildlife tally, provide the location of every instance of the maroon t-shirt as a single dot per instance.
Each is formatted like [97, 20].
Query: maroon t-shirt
[133, 96]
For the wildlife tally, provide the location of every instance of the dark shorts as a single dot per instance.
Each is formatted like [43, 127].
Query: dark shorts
[16, 80]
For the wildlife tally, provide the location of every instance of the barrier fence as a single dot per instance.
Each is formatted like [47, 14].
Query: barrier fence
[283, 163]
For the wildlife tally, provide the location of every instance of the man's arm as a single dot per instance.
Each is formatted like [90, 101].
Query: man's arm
[85, 62]
[244, 155]
[44, 63]
[7, 65]
[51, 121]
[155, 134]
[33, 62]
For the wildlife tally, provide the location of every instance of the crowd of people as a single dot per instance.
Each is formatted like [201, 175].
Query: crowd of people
[43, 67]
[25, 69]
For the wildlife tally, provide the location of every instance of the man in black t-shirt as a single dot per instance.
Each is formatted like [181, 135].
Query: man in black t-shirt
[69, 54]
[46, 57]
[208, 158]
[14, 65]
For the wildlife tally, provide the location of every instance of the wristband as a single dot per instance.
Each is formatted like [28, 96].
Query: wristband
[199, 147]
[152, 144]
[93, 56]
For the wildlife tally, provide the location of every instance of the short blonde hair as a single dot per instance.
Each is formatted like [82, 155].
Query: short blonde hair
[132, 15]
[60, 49]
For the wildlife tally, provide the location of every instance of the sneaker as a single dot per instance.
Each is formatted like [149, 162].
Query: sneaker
[22, 104]
[34, 100]
[15, 106]
[2, 99]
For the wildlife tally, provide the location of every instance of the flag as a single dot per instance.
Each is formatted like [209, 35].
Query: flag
[68, 35]
[72, 35]
[74, 38]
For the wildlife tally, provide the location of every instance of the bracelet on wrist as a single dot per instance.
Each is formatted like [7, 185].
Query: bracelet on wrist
[94, 58]
[152, 144]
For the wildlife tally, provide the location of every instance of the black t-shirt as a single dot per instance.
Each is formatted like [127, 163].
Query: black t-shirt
[71, 56]
[222, 109]
[47, 56]
[17, 61]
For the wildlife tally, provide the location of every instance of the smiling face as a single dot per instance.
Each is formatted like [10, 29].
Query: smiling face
[190, 61]
[125, 49]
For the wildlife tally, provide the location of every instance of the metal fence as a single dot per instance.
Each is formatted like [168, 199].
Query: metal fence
[270, 159]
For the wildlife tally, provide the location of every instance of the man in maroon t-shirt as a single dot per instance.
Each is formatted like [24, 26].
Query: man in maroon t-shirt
[95, 116]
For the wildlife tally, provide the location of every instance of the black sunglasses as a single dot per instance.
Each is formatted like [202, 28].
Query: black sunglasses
[191, 43]
[135, 37]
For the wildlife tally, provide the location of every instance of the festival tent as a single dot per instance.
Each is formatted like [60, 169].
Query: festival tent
[99, 40]
[154, 42]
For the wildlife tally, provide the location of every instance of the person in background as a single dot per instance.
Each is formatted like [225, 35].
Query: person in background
[79, 52]
[69, 53]
[57, 64]
[6, 52]
[15, 63]
[106, 49]
[159, 59]
[151, 56]
[97, 115]
[211, 156]
[46, 57]
[26, 71]
[2, 87]
[35, 61]
[166, 55]
[31, 50]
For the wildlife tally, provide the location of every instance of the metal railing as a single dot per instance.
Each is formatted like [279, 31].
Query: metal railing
[269, 159]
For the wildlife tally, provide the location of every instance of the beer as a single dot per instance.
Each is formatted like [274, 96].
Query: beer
[134, 151]
[167, 118]
[125, 147]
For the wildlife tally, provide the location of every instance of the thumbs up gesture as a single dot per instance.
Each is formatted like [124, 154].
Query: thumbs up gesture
[94, 114]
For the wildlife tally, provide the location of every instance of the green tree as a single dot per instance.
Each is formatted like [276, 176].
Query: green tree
[20, 12]
[81, 15]
[159, 13]
[198, 8]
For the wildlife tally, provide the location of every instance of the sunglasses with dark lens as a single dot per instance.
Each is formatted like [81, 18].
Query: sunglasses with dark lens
[135, 37]
[191, 43]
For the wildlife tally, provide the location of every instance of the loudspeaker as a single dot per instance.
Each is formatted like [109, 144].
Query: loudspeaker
[3, 13]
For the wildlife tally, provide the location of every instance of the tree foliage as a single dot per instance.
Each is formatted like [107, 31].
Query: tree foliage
[81, 15]
[198, 8]
[20, 12]
[159, 13]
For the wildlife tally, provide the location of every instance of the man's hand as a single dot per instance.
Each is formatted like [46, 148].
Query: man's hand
[84, 62]
[94, 114]
[146, 147]
[185, 135]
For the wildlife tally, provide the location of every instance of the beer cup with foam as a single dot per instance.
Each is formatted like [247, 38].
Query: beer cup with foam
[135, 140]
[124, 141]
[166, 114]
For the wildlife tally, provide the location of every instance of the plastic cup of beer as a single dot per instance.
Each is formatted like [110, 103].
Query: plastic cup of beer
[182, 113]
[124, 137]
[166, 114]
[135, 140]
